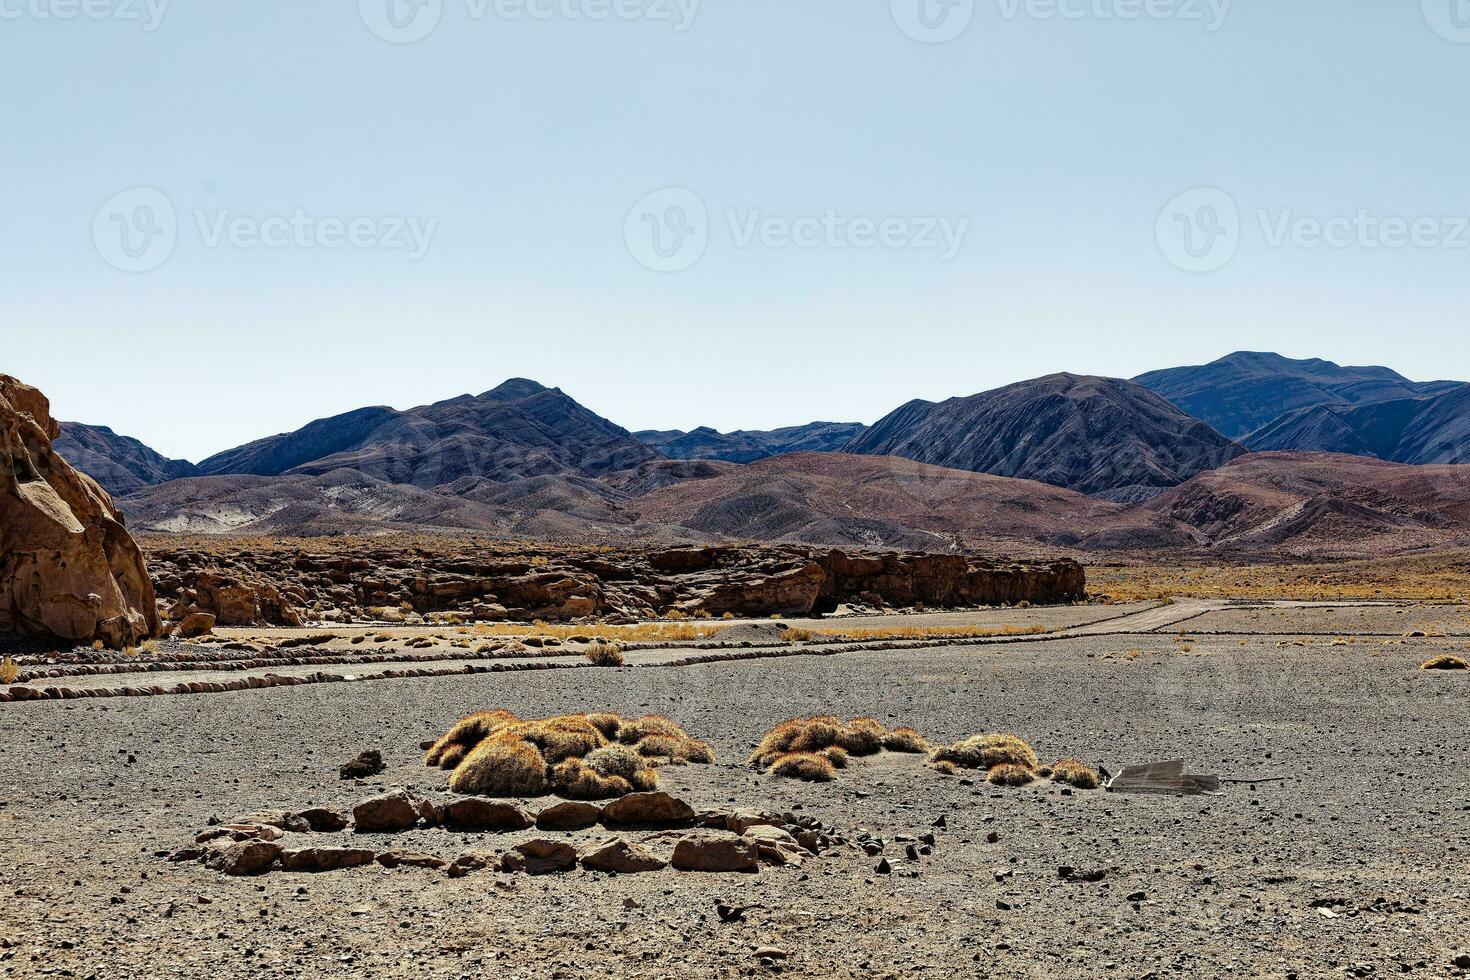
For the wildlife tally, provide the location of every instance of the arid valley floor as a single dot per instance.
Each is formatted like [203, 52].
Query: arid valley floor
[1345, 857]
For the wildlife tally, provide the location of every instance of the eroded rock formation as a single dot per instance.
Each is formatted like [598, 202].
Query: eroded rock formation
[69, 570]
[285, 582]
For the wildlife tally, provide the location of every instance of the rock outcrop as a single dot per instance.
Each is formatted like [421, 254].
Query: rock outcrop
[374, 580]
[69, 570]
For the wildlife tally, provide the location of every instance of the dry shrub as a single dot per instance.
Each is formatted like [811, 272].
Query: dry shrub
[830, 738]
[1444, 662]
[905, 739]
[1075, 773]
[583, 756]
[1007, 774]
[605, 654]
[933, 632]
[9, 670]
[465, 734]
[793, 635]
[987, 752]
[812, 767]
[946, 767]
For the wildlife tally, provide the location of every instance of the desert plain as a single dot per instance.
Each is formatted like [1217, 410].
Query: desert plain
[1337, 846]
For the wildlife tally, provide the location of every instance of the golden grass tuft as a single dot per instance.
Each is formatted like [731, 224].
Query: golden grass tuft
[831, 738]
[1008, 774]
[1444, 662]
[905, 739]
[987, 752]
[464, 735]
[603, 654]
[9, 670]
[812, 767]
[582, 756]
[933, 632]
[946, 767]
[794, 635]
[1076, 773]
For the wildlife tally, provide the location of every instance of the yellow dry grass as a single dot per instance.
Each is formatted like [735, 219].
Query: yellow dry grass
[583, 756]
[1444, 662]
[9, 670]
[676, 632]
[1008, 774]
[831, 739]
[813, 767]
[932, 632]
[987, 752]
[603, 654]
[1073, 772]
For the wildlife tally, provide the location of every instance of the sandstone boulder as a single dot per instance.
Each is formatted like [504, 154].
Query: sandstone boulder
[194, 624]
[568, 815]
[477, 813]
[387, 813]
[326, 858]
[540, 857]
[620, 857]
[657, 809]
[247, 857]
[716, 854]
[69, 570]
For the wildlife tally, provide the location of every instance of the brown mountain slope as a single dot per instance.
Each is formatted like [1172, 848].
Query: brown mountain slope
[1101, 436]
[836, 498]
[120, 463]
[1323, 504]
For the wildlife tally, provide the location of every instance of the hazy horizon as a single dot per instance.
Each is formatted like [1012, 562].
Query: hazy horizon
[227, 222]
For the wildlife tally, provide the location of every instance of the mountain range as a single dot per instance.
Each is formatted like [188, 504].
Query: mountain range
[1063, 462]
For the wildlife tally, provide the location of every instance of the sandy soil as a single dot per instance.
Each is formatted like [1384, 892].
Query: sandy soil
[1354, 864]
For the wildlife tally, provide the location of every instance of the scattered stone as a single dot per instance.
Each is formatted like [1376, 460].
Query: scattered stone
[770, 953]
[411, 859]
[326, 858]
[620, 857]
[247, 857]
[716, 854]
[656, 809]
[323, 819]
[540, 857]
[884, 867]
[387, 813]
[568, 815]
[364, 764]
[195, 624]
[478, 813]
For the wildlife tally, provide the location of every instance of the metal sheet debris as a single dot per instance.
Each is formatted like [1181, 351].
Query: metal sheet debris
[1166, 778]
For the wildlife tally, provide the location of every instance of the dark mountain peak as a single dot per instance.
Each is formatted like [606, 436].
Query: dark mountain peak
[1246, 390]
[1103, 436]
[746, 446]
[516, 389]
[119, 463]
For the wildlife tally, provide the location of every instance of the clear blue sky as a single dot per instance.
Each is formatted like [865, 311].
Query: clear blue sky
[521, 145]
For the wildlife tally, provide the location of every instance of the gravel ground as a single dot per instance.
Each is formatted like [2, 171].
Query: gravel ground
[1354, 864]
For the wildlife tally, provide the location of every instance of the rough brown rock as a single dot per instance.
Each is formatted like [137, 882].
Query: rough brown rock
[326, 858]
[568, 815]
[476, 813]
[387, 813]
[69, 570]
[195, 624]
[246, 857]
[411, 859]
[323, 819]
[657, 809]
[620, 857]
[716, 854]
[540, 857]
